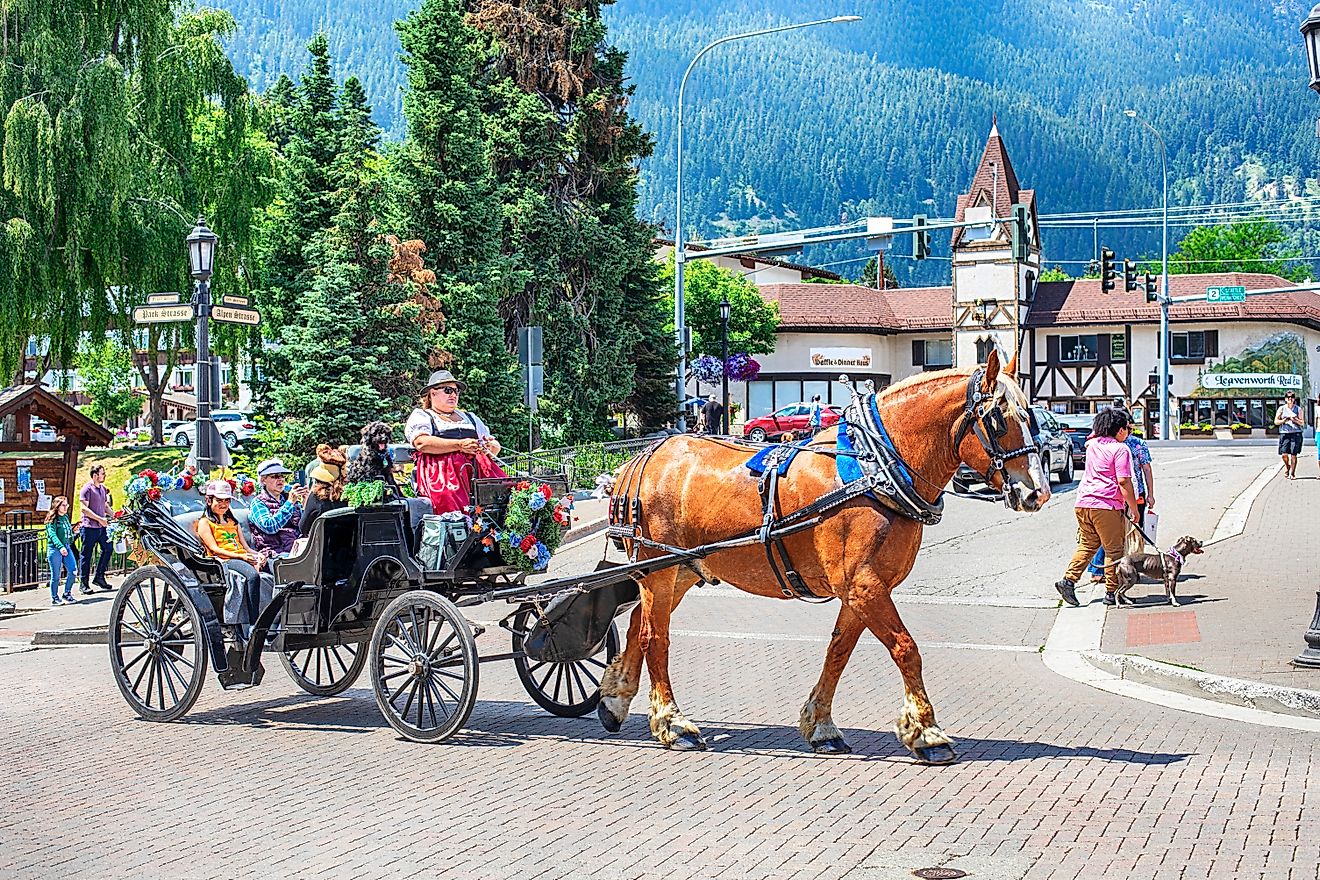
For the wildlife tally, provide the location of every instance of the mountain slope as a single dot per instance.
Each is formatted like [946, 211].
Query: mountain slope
[889, 115]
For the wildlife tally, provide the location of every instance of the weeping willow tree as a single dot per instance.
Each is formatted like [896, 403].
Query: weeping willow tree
[122, 122]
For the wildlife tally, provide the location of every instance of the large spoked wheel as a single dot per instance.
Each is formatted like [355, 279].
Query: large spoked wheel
[157, 645]
[569, 690]
[424, 666]
[327, 670]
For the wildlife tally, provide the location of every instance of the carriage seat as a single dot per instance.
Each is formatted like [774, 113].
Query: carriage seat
[189, 521]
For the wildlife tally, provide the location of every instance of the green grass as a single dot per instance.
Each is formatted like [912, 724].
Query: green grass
[123, 464]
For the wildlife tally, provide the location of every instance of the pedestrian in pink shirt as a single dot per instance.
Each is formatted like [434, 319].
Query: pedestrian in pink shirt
[1105, 501]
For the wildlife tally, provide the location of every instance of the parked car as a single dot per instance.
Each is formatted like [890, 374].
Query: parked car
[1078, 427]
[1057, 454]
[792, 419]
[41, 432]
[235, 427]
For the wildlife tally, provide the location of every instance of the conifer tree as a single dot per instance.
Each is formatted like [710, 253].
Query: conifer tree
[448, 195]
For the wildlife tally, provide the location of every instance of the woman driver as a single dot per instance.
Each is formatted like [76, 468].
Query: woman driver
[450, 446]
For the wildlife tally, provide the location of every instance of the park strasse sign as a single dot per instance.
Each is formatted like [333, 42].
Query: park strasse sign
[1223, 381]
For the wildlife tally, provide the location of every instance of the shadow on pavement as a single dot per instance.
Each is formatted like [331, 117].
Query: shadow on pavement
[506, 724]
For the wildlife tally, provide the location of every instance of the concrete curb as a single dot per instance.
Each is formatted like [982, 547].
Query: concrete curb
[1192, 682]
[87, 635]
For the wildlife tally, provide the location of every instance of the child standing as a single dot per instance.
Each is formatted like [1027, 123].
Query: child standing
[59, 542]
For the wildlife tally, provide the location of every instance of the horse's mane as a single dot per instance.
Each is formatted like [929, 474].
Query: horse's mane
[1009, 392]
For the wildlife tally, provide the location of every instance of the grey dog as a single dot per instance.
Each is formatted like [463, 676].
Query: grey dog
[1161, 566]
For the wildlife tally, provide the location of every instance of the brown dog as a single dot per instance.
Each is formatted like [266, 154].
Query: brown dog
[1161, 566]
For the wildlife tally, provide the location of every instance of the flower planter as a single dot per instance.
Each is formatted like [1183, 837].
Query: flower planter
[1241, 432]
[1195, 434]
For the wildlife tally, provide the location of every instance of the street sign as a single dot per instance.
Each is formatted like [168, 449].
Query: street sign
[161, 314]
[232, 300]
[232, 315]
[1225, 294]
[162, 299]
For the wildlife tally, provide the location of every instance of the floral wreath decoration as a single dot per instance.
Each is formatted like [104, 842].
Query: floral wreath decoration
[533, 526]
[151, 485]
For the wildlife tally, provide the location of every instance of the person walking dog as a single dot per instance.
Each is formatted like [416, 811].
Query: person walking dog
[95, 500]
[1289, 419]
[1104, 495]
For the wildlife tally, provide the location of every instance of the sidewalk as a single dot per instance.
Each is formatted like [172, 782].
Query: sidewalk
[37, 619]
[1246, 602]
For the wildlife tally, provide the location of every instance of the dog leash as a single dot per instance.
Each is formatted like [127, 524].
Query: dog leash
[1151, 542]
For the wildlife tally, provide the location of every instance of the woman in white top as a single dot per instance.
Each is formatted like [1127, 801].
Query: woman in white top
[450, 446]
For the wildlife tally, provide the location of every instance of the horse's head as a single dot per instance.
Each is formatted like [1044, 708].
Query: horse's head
[996, 440]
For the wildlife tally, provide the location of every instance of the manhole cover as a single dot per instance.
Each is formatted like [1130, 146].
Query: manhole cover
[939, 873]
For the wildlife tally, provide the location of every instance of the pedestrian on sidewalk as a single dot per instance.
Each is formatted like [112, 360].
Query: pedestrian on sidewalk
[1104, 496]
[59, 551]
[1143, 480]
[95, 499]
[1289, 419]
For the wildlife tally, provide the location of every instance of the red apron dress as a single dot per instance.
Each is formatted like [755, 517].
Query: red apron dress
[446, 478]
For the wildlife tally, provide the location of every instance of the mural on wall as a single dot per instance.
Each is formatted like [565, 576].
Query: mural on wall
[1283, 353]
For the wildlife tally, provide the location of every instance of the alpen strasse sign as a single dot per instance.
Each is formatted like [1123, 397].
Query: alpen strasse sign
[835, 358]
[1218, 381]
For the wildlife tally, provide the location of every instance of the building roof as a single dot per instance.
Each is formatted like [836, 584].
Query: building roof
[808, 271]
[62, 417]
[836, 306]
[996, 180]
[1083, 302]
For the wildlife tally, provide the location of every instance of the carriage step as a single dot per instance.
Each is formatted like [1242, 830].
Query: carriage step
[477, 629]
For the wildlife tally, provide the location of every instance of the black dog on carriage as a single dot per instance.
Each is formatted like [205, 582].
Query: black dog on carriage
[373, 461]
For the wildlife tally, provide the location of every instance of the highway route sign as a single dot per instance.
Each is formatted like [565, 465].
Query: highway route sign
[1225, 294]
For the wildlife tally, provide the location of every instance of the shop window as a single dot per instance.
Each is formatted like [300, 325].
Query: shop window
[760, 399]
[1194, 346]
[1256, 413]
[932, 354]
[1079, 349]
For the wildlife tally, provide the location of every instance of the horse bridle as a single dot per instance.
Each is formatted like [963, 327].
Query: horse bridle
[988, 424]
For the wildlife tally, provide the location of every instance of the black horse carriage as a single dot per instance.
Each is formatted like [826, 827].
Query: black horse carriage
[357, 596]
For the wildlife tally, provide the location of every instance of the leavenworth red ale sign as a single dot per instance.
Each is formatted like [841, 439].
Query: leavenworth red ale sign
[1220, 381]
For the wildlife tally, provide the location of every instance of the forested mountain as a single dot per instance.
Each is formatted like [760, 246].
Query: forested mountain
[879, 116]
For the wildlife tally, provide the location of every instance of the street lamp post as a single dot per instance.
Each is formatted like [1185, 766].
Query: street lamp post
[1164, 283]
[724, 374]
[680, 249]
[201, 258]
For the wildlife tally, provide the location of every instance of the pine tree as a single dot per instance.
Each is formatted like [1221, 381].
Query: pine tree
[447, 193]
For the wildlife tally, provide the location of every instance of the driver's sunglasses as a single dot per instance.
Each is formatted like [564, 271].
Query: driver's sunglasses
[448, 389]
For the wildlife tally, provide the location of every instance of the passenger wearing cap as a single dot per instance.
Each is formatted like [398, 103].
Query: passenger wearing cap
[247, 588]
[450, 446]
[276, 512]
[324, 496]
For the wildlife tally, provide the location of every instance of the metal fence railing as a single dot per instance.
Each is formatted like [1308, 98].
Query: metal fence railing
[580, 464]
[20, 574]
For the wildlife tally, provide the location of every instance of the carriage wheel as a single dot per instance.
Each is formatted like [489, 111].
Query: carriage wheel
[569, 690]
[326, 670]
[424, 666]
[157, 645]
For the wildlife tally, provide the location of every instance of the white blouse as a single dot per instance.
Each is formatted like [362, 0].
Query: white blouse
[424, 421]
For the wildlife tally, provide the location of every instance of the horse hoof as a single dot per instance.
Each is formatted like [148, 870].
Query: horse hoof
[607, 719]
[687, 742]
[935, 755]
[832, 746]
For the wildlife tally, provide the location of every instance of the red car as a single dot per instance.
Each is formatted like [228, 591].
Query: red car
[793, 420]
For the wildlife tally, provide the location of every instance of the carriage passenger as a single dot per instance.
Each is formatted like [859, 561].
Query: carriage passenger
[324, 496]
[248, 588]
[450, 446]
[277, 511]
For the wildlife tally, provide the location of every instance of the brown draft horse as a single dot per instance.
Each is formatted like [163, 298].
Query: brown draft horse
[697, 490]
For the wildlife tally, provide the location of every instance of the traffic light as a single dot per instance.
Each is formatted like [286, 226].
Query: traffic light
[1129, 276]
[1021, 233]
[1107, 273]
[1152, 292]
[920, 238]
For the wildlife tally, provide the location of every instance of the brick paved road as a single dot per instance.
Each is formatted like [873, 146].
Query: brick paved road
[1056, 779]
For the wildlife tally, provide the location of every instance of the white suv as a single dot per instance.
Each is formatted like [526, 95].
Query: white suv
[235, 427]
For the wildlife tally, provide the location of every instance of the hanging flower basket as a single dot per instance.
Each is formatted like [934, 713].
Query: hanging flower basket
[742, 368]
[708, 369]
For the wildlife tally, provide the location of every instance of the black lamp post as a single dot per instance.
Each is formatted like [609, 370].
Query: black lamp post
[201, 257]
[724, 378]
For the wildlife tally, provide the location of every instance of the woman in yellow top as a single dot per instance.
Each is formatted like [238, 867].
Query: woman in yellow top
[248, 589]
